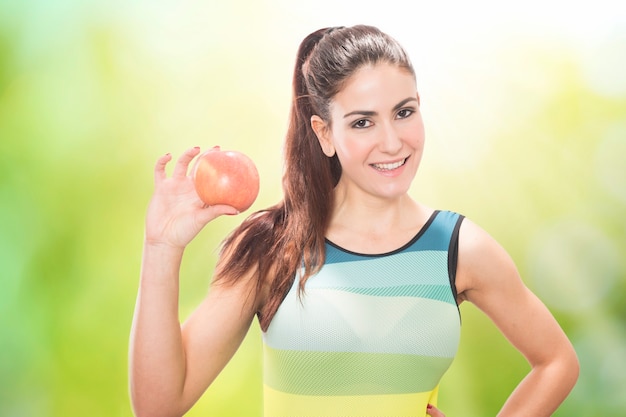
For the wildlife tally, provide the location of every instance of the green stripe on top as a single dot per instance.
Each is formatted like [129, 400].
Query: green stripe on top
[351, 373]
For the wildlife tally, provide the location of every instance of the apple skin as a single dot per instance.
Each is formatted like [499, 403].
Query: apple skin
[226, 177]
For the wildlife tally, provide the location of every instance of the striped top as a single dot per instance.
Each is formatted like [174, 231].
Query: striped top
[372, 335]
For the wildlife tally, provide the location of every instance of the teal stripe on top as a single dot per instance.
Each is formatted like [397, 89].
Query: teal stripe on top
[434, 236]
[398, 270]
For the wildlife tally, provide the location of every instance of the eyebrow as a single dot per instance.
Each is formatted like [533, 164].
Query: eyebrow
[373, 113]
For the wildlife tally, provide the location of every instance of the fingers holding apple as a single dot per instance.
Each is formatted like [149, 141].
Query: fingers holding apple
[175, 215]
[226, 178]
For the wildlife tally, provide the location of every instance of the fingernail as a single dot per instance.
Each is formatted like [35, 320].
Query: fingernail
[429, 406]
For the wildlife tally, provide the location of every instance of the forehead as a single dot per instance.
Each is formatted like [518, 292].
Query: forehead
[372, 87]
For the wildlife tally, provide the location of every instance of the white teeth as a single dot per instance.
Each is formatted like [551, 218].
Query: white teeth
[389, 167]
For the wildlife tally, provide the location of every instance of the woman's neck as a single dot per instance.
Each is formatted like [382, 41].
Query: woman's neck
[367, 224]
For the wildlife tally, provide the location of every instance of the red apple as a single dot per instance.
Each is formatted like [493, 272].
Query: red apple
[226, 177]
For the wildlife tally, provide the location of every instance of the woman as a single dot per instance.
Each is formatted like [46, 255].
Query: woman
[356, 286]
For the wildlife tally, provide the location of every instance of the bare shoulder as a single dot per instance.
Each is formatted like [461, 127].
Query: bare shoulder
[482, 262]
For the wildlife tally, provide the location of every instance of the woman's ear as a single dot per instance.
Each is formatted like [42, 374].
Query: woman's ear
[323, 134]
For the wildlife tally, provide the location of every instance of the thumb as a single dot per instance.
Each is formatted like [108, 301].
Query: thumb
[433, 411]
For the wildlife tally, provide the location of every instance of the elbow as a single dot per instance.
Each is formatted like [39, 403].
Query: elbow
[153, 398]
[573, 367]
[151, 405]
[151, 410]
[145, 409]
[565, 368]
[562, 367]
[570, 366]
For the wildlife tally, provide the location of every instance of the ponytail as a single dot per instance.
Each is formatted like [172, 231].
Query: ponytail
[288, 239]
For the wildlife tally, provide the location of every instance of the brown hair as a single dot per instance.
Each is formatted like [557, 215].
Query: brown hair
[288, 239]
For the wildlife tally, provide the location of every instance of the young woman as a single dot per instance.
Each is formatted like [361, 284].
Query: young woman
[356, 286]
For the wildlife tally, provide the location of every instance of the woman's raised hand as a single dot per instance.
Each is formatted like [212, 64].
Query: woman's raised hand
[175, 213]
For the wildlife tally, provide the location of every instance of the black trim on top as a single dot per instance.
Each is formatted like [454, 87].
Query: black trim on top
[453, 256]
[419, 234]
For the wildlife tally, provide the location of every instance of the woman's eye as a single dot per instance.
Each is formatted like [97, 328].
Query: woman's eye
[361, 124]
[404, 113]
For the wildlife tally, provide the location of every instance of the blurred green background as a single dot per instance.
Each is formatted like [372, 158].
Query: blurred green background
[525, 111]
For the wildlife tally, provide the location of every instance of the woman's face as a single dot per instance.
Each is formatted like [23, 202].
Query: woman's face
[377, 131]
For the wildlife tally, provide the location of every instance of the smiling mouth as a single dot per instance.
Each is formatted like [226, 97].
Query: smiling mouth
[389, 167]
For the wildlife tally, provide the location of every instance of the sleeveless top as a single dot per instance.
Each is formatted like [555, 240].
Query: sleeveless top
[372, 335]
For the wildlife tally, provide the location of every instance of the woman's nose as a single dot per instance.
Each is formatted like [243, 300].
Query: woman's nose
[390, 141]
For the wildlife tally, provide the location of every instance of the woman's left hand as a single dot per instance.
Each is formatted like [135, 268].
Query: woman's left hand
[433, 411]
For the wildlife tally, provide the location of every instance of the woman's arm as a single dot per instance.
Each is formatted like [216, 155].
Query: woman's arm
[171, 366]
[488, 278]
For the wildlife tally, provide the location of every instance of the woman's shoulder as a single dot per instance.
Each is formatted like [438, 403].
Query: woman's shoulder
[480, 256]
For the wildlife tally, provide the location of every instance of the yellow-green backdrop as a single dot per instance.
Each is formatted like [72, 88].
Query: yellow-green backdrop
[525, 111]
